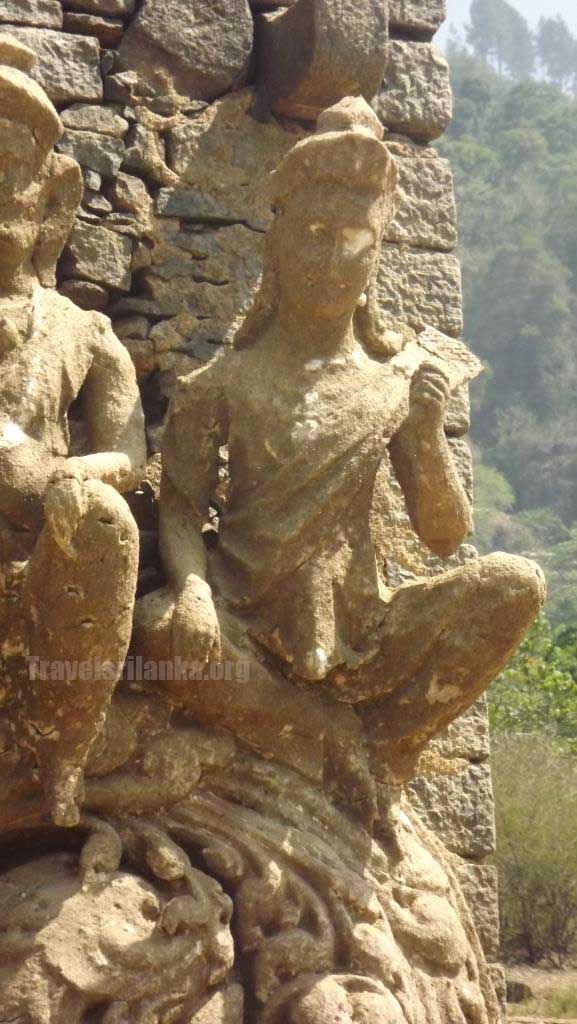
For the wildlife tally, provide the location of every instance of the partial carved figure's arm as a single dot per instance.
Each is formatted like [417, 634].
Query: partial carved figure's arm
[113, 417]
[195, 430]
[436, 500]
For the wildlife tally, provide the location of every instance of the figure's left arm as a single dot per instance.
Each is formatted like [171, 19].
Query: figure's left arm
[113, 416]
[436, 499]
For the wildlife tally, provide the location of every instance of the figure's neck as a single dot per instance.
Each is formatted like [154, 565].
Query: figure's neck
[314, 338]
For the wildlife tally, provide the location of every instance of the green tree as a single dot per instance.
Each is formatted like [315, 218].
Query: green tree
[557, 51]
[499, 34]
[537, 692]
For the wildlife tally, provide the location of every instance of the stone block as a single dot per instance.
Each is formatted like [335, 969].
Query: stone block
[103, 120]
[427, 216]
[108, 31]
[100, 153]
[419, 19]
[68, 66]
[85, 294]
[415, 98]
[106, 8]
[197, 50]
[479, 883]
[313, 53]
[38, 13]
[98, 255]
[228, 156]
[468, 736]
[421, 287]
[459, 809]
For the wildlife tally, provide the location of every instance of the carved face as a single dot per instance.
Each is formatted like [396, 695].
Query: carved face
[20, 193]
[327, 243]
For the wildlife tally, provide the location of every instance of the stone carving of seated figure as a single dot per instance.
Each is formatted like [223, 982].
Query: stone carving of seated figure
[343, 676]
[68, 542]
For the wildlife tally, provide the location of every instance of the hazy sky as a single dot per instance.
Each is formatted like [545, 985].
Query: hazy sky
[458, 12]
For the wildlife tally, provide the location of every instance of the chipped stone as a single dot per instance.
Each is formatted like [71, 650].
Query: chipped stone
[104, 120]
[99, 255]
[427, 216]
[418, 18]
[459, 809]
[196, 51]
[109, 8]
[421, 287]
[68, 66]
[100, 153]
[314, 52]
[85, 294]
[37, 13]
[415, 98]
[108, 31]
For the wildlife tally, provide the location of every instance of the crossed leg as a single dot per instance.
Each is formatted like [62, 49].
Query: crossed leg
[441, 644]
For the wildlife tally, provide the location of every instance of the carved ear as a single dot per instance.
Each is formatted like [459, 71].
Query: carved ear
[63, 192]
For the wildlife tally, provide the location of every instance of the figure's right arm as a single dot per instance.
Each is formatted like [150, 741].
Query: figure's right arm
[195, 430]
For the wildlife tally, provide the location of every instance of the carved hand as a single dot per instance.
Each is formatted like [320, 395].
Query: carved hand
[195, 627]
[429, 395]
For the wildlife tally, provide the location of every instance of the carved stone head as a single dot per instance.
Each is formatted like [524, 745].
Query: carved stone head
[332, 197]
[39, 189]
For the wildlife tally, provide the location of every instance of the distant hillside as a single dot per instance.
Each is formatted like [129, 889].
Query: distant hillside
[513, 148]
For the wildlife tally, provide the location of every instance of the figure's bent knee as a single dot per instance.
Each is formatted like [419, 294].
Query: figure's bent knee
[516, 584]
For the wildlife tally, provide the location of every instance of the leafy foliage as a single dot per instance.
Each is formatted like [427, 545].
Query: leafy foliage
[513, 148]
[537, 692]
[535, 790]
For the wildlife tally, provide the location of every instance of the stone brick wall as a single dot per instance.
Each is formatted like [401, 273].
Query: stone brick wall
[167, 115]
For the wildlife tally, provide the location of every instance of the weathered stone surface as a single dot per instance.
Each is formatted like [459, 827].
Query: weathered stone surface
[227, 157]
[415, 98]
[38, 13]
[195, 49]
[68, 66]
[76, 523]
[480, 886]
[99, 255]
[427, 216]
[108, 8]
[268, 788]
[85, 294]
[226, 1007]
[421, 287]
[459, 809]
[108, 31]
[468, 737]
[314, 52]
[104, 120]
[132, 327]
[100, 153]
[419, 18]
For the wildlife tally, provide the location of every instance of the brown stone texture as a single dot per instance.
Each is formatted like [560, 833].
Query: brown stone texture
[427, 217]
[418, 18]
[273, 791]
[38, 13]
[193, 48]
[416, 94]
[459, 808]
[421, 287]
[313, 52]
[68, 66]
